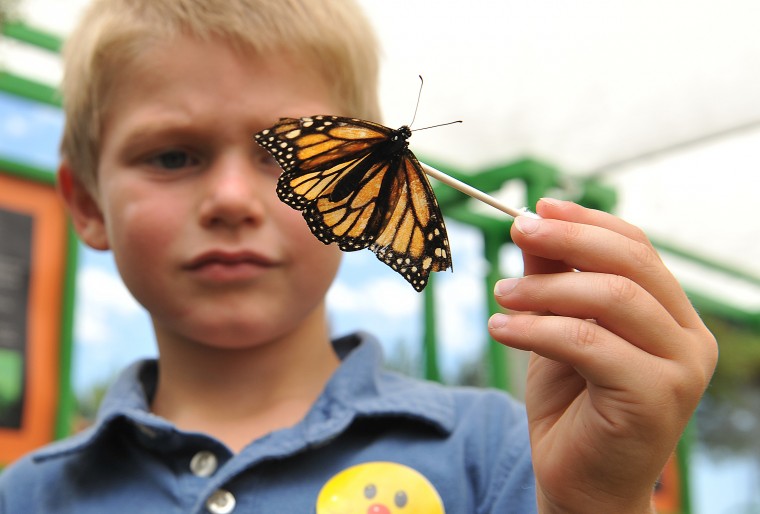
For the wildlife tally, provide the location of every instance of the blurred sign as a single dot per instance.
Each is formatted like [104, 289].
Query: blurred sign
[33, 251]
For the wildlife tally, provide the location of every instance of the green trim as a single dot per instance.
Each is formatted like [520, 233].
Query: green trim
[708, 303]
[722, 310]
[27, 172]
[66, 399]
[704, 261]
[29, 89]
[21, 32]
[683, 454]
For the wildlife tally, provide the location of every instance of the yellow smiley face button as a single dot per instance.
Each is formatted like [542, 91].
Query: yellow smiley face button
[379, 488]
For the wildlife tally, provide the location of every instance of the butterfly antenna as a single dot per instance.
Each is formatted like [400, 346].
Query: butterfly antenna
[419, 95]
[439, 125]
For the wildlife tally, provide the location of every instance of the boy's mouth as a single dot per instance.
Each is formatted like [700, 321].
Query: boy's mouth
[222, 265]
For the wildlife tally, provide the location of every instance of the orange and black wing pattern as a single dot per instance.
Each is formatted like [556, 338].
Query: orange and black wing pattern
[358, 185]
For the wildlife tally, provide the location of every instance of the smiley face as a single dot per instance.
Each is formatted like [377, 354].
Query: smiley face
[379, 488]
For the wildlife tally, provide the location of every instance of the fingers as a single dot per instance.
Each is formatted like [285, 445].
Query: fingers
[624, 300]
[598, 355]
[572, 237]
[613, 302]
[620, 357]
[569, 211]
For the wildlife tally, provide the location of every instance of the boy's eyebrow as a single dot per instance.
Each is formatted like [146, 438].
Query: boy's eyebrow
[138, 144]
[157, 124]
[141, 134]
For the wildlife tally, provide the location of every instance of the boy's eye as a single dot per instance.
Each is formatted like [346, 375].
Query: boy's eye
[174, 160]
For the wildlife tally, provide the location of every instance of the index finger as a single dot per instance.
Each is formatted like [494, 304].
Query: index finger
[571, 236]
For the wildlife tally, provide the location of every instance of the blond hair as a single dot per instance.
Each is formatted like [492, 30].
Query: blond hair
[332, 35]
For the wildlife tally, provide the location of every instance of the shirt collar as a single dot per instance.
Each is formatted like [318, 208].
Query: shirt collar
[360, 387]
[363, 385]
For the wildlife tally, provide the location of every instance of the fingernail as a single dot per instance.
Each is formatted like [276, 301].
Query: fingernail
[498, 320]
[526, 225]
[552, 201]
[505, 286]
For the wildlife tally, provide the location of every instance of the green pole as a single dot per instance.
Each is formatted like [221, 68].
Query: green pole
[430, 337]
[493, 239]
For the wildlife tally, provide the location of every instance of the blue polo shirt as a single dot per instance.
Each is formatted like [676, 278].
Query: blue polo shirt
[373, 440]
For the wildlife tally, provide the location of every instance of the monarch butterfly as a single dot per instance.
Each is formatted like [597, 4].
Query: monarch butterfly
[358, 185]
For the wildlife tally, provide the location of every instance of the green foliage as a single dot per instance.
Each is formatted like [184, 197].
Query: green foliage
[728, 420]
[88, 403]
[739, 362]
[403, 360]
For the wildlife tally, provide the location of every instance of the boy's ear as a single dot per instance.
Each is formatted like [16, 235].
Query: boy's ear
[84, 209]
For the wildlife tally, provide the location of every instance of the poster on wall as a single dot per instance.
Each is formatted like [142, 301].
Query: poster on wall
[33, 253]
[15, 260]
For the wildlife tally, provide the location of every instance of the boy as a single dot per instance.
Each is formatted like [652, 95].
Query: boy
[251, 408]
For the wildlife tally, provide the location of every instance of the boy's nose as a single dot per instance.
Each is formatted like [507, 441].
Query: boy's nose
[232, 197]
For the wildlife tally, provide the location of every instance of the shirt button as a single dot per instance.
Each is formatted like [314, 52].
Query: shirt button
[221, 502]
[203, 464]
[147, 431]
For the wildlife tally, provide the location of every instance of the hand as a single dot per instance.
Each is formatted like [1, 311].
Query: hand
[620, 358]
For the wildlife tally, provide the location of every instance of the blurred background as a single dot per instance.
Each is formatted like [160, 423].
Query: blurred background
[646, 108]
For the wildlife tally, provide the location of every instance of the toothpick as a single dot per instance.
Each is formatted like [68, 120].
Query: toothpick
[476, 193]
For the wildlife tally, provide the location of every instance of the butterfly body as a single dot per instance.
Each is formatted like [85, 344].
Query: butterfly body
[357, 184]
[390, 151]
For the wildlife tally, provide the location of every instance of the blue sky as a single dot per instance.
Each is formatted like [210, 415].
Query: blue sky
[29, 132]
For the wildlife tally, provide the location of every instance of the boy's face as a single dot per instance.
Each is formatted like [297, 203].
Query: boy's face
[186, 199]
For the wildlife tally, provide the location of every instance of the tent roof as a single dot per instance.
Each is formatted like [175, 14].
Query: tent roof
[658, 99]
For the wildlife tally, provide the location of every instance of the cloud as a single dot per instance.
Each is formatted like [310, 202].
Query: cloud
[14, 127]
[106, 290]
[461, 303]
[380, 297]
[111, 329]
[101, 296]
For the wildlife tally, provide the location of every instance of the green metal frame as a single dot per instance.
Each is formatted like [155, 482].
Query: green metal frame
[38, 38]
[29, 89]
[538, 179]
[710, 305]
[21, 86]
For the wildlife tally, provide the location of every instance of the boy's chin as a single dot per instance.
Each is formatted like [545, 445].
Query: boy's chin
[221, 337]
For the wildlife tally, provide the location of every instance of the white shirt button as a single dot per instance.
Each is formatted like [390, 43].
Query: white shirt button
[221, 502]
[203, 464]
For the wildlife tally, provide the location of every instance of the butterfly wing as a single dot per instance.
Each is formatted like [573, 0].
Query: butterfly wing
[358, 185]
[413, 240]
[331, 174]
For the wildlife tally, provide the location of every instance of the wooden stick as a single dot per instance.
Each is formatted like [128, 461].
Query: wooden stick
[476, 193]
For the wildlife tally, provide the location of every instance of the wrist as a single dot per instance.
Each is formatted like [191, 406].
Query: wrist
[610, 506]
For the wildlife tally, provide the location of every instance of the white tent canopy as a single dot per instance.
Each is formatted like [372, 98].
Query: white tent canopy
[661, 100]
[590, 87]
